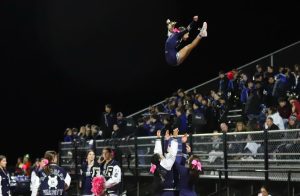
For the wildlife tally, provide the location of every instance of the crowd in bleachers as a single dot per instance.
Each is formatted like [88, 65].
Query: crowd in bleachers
[270, 94]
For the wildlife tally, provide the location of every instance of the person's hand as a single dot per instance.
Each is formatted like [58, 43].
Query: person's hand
[80, 184]
[158, 133]
[184, 138]
[195, 18]
[175, 132]
[293, 108]
[101, 159]
[188, 148]
[167, 135]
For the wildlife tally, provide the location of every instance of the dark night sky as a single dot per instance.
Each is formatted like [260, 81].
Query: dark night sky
[64, 59]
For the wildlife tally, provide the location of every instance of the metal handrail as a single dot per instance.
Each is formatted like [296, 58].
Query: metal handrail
[209, 81]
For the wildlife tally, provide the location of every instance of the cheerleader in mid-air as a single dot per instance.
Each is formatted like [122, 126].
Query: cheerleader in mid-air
[173, 55]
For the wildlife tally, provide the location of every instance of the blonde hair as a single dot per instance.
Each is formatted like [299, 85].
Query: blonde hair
[242, 124]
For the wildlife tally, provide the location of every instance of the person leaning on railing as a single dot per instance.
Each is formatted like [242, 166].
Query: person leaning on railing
[294, 145]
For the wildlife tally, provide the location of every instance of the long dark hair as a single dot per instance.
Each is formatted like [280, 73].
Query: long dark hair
[87, 154]
[155, 159]
[50, 156]
[158, 174]
[193, 171]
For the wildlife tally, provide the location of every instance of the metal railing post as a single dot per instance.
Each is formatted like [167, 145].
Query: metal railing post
[266, 152]
[75, 143]
[136, 165]
[225, 158]
[191, 142]
[289, 183]
[220, 183]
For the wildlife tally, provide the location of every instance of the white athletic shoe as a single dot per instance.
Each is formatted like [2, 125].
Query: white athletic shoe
[203, 31]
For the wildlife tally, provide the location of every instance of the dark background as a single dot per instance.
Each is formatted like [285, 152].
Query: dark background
[62, 60]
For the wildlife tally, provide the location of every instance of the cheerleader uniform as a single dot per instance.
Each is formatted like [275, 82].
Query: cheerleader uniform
[164, 181]
[4, 182]
[112, 173]
[87, 175]
[186, 188]
[51, 184]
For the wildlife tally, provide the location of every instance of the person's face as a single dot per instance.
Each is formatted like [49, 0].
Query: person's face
[269, 69]
[239, 126]
[178, 113]
[222, 101]
[173, 103]
[107, 109]
[195, 107]
[224, 127]
[250, 85]
[200, 99]
[264, 192]
[292, 122]
[282, 103]
[55, 159]
[180, 94]
[281, 69]
[165, 122]
[3, 163]
[271, 80]
[91, 156]
[42, 164]
[185, 36]
[269, 112]
[259, 69]
[269, 123]
[115, 127]
[106, 155]
[94, 130]
[257, 86]
[69, 132]
[244, 77]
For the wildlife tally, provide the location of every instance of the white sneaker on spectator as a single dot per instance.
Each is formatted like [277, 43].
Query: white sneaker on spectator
[203, 31]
